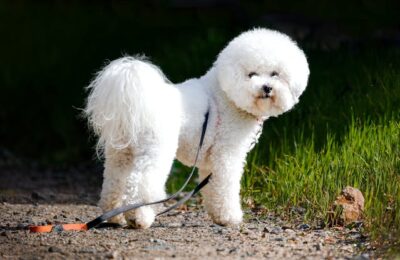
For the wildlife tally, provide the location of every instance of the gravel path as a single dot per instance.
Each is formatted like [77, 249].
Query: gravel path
[38, 196]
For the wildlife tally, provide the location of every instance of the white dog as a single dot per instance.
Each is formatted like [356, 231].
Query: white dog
[144, 121]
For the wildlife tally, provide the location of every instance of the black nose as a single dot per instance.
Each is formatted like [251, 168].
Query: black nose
[267, 89]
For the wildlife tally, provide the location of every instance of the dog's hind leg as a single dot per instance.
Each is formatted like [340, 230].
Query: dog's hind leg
[146, 181]
[116, 170]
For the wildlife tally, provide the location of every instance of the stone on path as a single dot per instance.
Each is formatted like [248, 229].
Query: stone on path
[350, 204]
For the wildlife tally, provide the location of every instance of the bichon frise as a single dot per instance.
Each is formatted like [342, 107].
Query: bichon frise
[144, 121]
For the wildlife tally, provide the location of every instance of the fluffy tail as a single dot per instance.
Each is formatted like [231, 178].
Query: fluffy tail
[120, 103]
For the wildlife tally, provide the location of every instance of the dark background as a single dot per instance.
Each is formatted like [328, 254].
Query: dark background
[50, 50]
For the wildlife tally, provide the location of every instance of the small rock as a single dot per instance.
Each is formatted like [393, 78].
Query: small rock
[246, 232]
[303, 227]
[362, 257]
[299, 210]
[318, 247]
[267, 229]
[233, 250]
[320, 233]
[284, 227]
[88, 251]
[350, 204]
[6, 234]
[276, 230]
[54, 249]
[290, 231]
[112, 255]
[252, 226]
[157, 241]
[347, 248]
[175, 225]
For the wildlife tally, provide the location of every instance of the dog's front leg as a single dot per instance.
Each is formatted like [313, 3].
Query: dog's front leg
[222, 193]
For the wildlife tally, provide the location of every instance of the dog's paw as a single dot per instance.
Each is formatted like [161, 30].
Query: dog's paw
[231, 218]
[119, 219]
[141, 218]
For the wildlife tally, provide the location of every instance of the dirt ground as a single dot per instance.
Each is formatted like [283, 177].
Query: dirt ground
[32, 195]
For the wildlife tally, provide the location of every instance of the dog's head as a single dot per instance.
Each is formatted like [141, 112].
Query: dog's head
[263, 72]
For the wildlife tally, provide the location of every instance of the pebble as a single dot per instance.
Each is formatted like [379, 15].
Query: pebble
[217, 229]
[290, 231]
[112, 255]
[6, 234]
[88, 251]
[320, 233]
[54, 249]
[304, 227]
[191, 225]
[347, 248]
[157, 241]
[175, 225]
[246, 232]
[276, 230]
[318, 247]
[299, 210]
[233, 250]
[252, 226]
[362, 257]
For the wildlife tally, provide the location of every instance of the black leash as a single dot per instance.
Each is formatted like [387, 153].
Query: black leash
[112, 213]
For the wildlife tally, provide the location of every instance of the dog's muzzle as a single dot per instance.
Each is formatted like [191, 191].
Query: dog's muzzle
[266, 91]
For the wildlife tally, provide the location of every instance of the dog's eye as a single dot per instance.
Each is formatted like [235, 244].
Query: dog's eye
[274, 74]
[251, 74]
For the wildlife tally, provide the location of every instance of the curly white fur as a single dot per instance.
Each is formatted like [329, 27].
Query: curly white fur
[144, 121]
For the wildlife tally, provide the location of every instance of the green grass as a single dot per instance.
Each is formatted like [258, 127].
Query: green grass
[345, 131]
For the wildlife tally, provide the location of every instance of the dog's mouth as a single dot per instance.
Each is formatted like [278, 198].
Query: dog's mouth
[265, 96]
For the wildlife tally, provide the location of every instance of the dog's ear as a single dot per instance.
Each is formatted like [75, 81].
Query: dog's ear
[299, 75]
[228, 73]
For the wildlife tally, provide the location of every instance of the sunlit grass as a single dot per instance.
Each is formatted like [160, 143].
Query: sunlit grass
[347, 132]
[368, 158]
